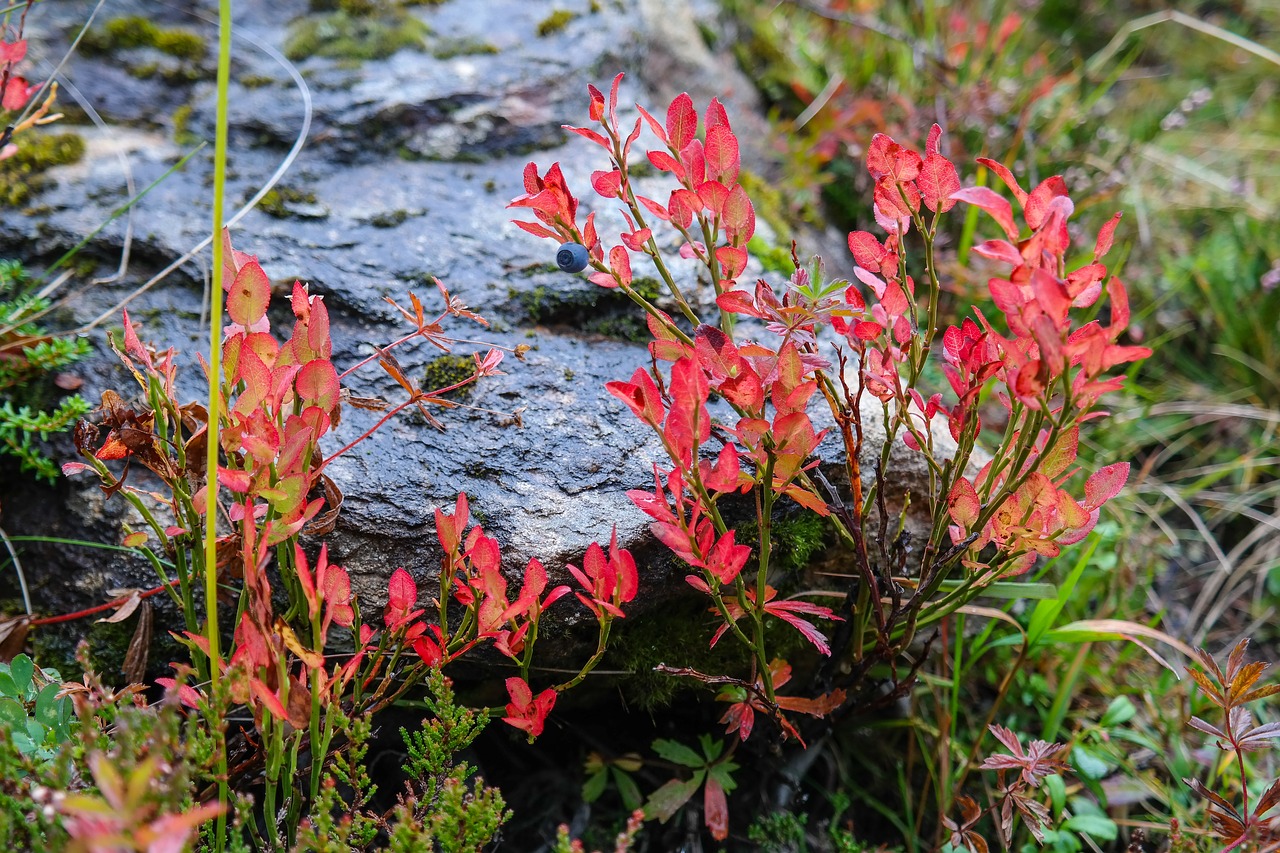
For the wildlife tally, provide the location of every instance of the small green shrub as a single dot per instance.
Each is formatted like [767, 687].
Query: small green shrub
[27, 353]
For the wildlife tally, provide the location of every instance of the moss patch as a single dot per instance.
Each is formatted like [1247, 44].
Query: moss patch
[343, 35]
[389, 219]
[594, 311]
[134, 32]
[23, 173]
[278, 201]
[463, 47]
[555, 22]
[181, 122]
[449, 370]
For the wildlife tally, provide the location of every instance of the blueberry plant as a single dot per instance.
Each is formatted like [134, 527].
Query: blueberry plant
[280, 399]
[740, 371]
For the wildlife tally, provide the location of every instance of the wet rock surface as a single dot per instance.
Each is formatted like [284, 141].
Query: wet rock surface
[405, 174]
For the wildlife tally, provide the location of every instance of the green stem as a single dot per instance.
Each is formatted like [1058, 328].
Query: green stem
[215, 371]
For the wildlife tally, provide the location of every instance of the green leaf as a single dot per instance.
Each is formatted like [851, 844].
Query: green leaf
[13, 714]
[595, 785]
[1096, 826]
[1046, 612]
[667, 800]
[678, 753]
[627, 788]
[1087, 764]
[9, 687]
[1120, 711]
[722, 772]
[1057, 788]
[47, 705]
[23, 743]
[711, 747]
[1011, 590]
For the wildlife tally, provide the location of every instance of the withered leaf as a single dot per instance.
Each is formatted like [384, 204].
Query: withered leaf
[135, 658]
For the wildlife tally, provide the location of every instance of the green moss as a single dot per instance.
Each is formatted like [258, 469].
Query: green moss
[449, 370]
[389, 219]
[767, 201]
[181, 119]
[276, 202]
[594, 310]
[772, 258]
[342, 35]
[135, 31]
[463, 47]
[256, 81]
[555, 22]
[23, 173]
[677, 636]
[796, 539]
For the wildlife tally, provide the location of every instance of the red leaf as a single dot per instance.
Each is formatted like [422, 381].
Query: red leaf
[1106, 237]
[317, 383]
[963, 503]
[1036, 206]
[931, 146]
[938, 180]
[1105, 484]
[682, 121]
[248, 295]
[721, 151]
[713, 195]
[607, 183]
[994, 204]
[620, 262]
[867, 250]
[739, 216]
[596, 109]
[1005, 175]
[664, 162]
[587, 133]
[715, 809]
[715, 115]
[654, 124]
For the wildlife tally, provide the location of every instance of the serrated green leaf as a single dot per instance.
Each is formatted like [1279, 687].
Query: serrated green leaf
[1120, 711]
[678, 753]
[723, 773]
[1095, 826]
[595, 785]
[711, 747]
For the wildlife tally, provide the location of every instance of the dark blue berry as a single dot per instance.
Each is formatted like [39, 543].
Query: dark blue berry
[572, 257]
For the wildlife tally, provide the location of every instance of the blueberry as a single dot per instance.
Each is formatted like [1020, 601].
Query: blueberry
[572, 257]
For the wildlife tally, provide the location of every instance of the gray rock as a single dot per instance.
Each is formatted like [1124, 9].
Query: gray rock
[413, 159]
